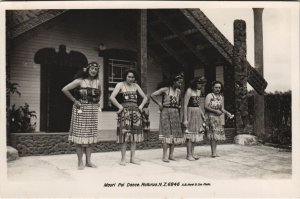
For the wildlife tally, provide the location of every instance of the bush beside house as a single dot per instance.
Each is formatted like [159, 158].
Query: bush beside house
[277, 117]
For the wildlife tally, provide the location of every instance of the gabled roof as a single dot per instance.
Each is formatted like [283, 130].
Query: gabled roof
[219, 41]
[188, 37]
[21, 21]
[177, 36]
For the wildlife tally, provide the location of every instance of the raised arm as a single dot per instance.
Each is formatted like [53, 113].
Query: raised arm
[157, 93]
[142, 94]
[71, 86]
[113, 99]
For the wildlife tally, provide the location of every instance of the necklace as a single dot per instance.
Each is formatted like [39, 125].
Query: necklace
[218, 96]
[91, 83]
[128, 87]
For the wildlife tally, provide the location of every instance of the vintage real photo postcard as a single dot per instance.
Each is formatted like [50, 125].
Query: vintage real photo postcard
[149, 99]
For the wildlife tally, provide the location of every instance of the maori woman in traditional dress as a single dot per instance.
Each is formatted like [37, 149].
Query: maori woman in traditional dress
[129, 124]
[214, 108]
[170, 131]
[84, 121]
[193, 116]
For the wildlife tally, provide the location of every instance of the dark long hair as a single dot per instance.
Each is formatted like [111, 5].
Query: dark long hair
[217, 82]
[83, 74]
[193, 83]
[130, 71]
[167, 82]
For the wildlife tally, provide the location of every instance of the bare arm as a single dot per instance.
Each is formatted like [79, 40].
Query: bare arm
[201, 111]
[158, 93]
[225, 111]
[113, 99]
[187, 97]
[206, 105]
[99, 87]
[71, 86]
[142, 94]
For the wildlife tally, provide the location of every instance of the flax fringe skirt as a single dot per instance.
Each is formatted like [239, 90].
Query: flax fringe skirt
[170, 130]
[84, 124]
[194, 127]
[130, 124]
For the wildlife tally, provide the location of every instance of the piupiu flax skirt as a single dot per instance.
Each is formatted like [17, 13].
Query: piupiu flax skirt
[130, 124]
[84, 124]
[194, 127]
[215, 128]
[170, 130]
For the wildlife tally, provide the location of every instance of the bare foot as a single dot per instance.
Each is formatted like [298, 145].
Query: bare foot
[91, 165]
[123, 163]
[190, 158]
[215, 155]
[172, 158]
[196, 157]
[165, 160]
[80, 166]
[133, 161]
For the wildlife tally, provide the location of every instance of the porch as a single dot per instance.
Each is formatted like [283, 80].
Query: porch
[42, 143]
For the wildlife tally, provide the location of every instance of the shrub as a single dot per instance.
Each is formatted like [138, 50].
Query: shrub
[277, 117]
[20, 119]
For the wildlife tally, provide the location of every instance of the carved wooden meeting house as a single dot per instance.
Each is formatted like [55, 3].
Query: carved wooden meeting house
[45, 48]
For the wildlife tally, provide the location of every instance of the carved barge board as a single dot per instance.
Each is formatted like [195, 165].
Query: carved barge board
[216, 38]
[181, 36]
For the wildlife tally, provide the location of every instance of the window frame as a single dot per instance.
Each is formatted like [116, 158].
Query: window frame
[121, 55]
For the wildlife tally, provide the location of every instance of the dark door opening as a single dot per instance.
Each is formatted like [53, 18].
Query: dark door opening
[57, 70]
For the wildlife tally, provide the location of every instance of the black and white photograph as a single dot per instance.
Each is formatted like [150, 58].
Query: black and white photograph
[140, 99]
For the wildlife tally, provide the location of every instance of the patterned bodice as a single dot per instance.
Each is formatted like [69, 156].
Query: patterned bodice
[194, 101]
[89, 95]
[129, 96]
[216, 102]
[173, 102]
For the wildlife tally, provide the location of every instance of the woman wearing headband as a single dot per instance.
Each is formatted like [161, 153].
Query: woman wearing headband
[170, 131]
[84, 121]
[193, 116]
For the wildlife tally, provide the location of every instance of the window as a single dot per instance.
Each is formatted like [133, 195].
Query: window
[116, 68]
[116, 62]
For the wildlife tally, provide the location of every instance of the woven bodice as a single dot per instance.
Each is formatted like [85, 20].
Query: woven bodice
[89, 95]
[194, 101]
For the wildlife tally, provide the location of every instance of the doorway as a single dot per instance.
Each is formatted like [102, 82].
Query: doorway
[57, 70]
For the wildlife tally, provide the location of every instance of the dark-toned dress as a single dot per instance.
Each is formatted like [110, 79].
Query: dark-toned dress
[130, 125]
[215, 128]
[195, 121]
[84, 121]
[170, 130]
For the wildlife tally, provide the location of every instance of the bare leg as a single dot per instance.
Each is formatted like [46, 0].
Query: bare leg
[216, 149]
[132, 153]
[213, 148]
[189, 150]
[193, 154]
[123, 154]
[171, 152]
[79, 151]
[165, 150]
[88, 153]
